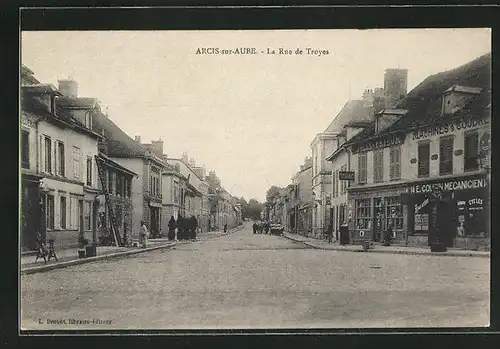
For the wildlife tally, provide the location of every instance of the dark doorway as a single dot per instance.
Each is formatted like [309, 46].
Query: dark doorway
[31, 214]
[155, 221]
[378, 219]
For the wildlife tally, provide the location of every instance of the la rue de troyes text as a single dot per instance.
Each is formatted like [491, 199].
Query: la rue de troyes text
[308, 51]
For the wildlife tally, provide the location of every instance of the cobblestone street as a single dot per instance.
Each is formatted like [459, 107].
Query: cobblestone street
[244, 280]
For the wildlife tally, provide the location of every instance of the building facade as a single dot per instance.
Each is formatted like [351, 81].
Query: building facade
[439, 135]
[146, 161]
[302, 181]
[59, 177]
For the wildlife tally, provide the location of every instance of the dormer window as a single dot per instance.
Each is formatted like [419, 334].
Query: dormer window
[456, 97]
[88, 119]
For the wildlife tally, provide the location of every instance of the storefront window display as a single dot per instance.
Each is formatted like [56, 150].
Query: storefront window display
[394, 216]
[363, 214]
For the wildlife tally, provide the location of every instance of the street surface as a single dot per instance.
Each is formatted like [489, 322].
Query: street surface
[259, 281]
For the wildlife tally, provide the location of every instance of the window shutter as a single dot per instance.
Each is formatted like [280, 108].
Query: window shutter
[41, 160]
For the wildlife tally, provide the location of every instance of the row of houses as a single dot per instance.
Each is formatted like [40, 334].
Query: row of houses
[78, 166]
[377, 162]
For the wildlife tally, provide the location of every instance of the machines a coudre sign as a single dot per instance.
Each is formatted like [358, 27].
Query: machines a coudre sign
[461, 124]
[450, 185]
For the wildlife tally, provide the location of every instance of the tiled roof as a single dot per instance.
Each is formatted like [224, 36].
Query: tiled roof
[113, 163]
[424, 101]
[34, 106]
[119, 143]
[40, 88]
[80, 102]
[353, 111]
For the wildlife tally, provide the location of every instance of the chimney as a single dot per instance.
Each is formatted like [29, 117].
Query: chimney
[138, 139]
[68, 87]
[185, 158]
[157, 146]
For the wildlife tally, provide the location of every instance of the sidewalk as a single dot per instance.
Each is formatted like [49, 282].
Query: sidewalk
[324, 245]
[68, 257]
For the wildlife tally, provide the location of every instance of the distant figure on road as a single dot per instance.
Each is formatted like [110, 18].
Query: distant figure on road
[254, 226]
[225, 228]
[266, 227]
[143, 235]
[330, 233]
[171, 228]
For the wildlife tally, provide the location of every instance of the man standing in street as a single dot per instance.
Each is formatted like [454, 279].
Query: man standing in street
[330, 233]
[143, 235]
[171, 228]
[254, 226]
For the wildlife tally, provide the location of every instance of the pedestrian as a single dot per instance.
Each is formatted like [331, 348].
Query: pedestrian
[254, 226]
[181, 228]
[171, 228]
[194, 226]
[388, 236]
[330, 233]
[225, 228]
[143, 235]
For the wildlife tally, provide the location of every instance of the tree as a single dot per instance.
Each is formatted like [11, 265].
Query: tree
[272, 192]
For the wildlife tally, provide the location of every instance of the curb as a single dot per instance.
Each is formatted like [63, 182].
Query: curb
[65, 264]
[414, 253]
[48, 267]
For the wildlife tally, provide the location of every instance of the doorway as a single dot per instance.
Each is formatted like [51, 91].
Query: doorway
[378, 219]
[154, 221]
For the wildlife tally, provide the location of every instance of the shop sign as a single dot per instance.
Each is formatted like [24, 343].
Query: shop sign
[346, 175]
[450, 185]
[383, 142]
[461, 124]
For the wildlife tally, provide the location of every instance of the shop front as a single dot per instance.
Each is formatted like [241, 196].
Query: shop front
[372, 211]
[462, 214]
[32, 219]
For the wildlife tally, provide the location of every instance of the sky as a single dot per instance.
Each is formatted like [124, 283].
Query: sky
[250, 118]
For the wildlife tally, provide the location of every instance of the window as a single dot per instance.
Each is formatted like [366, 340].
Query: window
[395, 162]
[76, 163]
[343, 183]
[25, 149]
[89, 170]
[87, 215]
[424, 154]
[176, 193]
[119, 184]
[128, 187]
[334, 178]
[74, 215]
[394, 216]
[88, 119]
[362, 168]
[363, 214]
[61, 166]
[49, 212]
[446, 155]
[378, 165]
[48, 155]
[336, 184]
[62, 212]
[471, 151]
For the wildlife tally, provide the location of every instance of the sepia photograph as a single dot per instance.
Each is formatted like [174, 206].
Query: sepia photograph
[254, 179]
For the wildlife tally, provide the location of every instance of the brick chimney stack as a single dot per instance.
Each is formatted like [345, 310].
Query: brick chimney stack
[157, 147]
[68, 87]
[138, 139]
